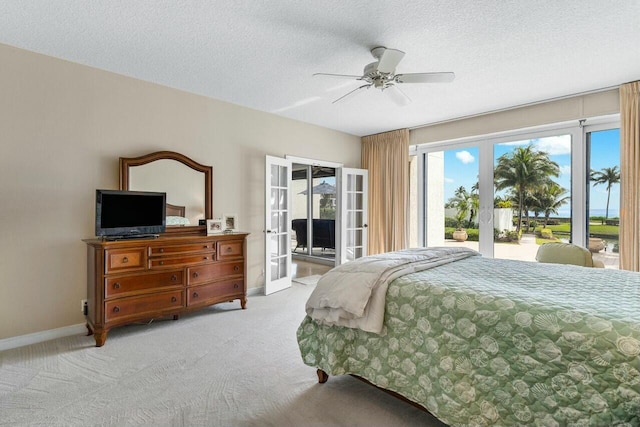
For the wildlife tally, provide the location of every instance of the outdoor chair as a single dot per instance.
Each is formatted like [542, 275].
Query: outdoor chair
[566, 253]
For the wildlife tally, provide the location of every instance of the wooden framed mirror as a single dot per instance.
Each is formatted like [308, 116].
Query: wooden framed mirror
[188, 185]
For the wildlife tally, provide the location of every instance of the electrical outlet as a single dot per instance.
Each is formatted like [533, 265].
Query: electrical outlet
[83, 306]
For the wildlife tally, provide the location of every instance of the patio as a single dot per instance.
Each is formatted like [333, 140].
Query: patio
[527, 248]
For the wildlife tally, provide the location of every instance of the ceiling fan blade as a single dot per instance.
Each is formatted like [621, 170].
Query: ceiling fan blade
[397, 96]
[389, 60]
[351, 94]
[425, 78]
[338, 76]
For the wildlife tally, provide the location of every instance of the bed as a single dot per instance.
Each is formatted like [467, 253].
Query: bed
[175, 215]
[479, 341]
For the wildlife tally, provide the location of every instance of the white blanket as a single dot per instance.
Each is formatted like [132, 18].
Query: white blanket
[353, 294]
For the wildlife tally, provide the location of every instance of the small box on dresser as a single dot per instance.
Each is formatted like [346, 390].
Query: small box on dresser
[136, 280]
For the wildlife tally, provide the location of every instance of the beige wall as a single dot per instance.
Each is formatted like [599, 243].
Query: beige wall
[63, 127]
[573, 108]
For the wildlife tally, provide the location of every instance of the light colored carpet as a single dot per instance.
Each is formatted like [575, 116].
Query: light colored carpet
[307, 280]
[221, 366]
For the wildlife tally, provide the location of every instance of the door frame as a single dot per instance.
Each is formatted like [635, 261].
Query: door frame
[324, 163]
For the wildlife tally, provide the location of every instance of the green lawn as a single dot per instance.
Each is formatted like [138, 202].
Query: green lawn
[597, 229]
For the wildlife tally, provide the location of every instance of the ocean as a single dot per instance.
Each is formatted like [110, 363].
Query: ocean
[566, 213]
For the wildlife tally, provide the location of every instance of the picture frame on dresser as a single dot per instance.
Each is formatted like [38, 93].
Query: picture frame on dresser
[230, 222]
[215, 226]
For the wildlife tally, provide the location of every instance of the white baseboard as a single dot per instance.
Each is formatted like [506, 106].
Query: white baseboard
[80, 328]
[37, 337]
[251, 292]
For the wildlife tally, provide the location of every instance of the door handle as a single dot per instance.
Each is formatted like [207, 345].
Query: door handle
[267, 231]
[365, 226]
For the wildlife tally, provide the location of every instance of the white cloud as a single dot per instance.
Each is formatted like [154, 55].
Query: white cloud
[448, 180]
[465, 157]
[565, 170]
[554, 145]
[525, 142]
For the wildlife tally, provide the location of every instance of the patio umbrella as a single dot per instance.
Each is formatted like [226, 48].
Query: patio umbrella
[322, 188]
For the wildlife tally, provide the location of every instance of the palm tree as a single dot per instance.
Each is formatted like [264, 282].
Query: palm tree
[524, 169]
[549, 199]
[609, 176]
[461, 201]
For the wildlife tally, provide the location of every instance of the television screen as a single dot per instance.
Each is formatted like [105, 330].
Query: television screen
[129, 213]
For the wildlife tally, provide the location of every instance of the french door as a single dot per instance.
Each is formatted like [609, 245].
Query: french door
[277, 225]
[354, 216]
[351, 218]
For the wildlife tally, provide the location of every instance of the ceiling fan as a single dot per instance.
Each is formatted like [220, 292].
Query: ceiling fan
[381, 74]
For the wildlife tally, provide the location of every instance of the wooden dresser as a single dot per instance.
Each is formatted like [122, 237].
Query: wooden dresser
[136, 280]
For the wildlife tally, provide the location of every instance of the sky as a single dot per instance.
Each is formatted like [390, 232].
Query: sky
[461, 165]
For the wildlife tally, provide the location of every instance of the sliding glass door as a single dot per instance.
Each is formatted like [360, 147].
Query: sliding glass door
[603, 201]
[505, 196]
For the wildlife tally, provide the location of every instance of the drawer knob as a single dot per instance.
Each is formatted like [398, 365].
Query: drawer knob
[205, 257]
[161, 263]
[195, 295]
[174, 299]
[125, 259]
[229, 249]
[116, 309]
[174, 278]
[235, 286]
[116, 285]
[236, 268]
[206, 246]
[195, 274]
[161, 250]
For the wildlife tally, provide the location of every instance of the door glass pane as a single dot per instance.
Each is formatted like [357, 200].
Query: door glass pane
[354, 201]
[275, 250]
[354, 219]
[604, 196]
[452, 197]
[354, 182]
[278, 268]
[282, 203]
[283, 225]
[532, 198]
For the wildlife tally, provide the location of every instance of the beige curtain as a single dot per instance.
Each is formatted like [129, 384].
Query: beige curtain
[630, 176]
[386, 157]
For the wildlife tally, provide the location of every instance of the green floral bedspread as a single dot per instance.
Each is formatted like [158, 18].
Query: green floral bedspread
[498, 342]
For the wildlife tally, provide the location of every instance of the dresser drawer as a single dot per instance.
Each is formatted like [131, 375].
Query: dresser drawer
[160, 262]
[215, 291]
[216, 271]
[143, 305]
[230, 250]
[118, 286]
[182, 249]
[129, 259]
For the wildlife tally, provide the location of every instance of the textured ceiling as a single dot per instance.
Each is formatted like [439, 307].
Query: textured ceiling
[262, 54]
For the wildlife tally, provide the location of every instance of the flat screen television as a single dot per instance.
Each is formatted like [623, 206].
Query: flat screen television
[130, 214]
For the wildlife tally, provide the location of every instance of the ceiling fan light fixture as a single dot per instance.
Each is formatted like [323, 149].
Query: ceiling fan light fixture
[382, 75]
